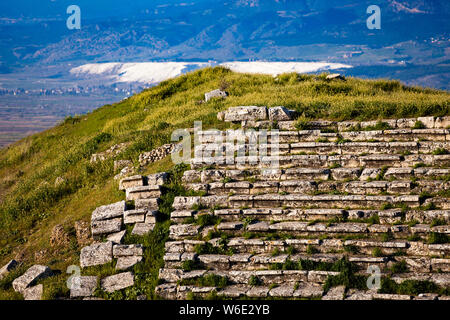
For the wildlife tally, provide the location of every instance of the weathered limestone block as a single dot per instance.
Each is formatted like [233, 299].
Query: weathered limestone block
[96, 254]
[128, 250]
[306, 173]
[345, 173]
[354, 294]
[172, 256]
[260, 187]
[183, 230]
[30, 277]
[151, 204]
[399, 173]
[116, 237]
[440, 264]
[7, 268]
[208, 176]
[105, 227]
[399, 187]
[417, 264]
[167, 291]
[335, 293]
[347, 228]
[235, 291]
[241, 187]
[110, 211]
[369, 173]
[307, 290]
[282, 291]
[385, 296]
[180, 215]
[134, 216]
[258, 227]
[230, 226]
[83, 286]
[442, 122]
[318, 147]
[241, 258]
[215, 94]
[185, 203]
[427, 296]
[281, 114]
[170, 275]
[427, 121]
[211, 201]
[428, 216]
[211, 259]
[192, 176]
[379, 160]
[125, 263]
[298, 186]
[258, 292]
[442, 203]
[286, 125]
[144, 192]
[374, 244]
[117, 282]
[141, 229]
[363, 187]
[33, 293]
[390, 216]
[406, 123]
[320, 276]
[157, 179]
[243, 113]
[130, 182]
[441, 160]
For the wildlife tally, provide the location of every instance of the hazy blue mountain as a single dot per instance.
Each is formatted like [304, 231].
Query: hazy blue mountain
[412, 44]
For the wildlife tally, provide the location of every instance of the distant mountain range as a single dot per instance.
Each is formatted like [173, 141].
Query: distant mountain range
[412, 45]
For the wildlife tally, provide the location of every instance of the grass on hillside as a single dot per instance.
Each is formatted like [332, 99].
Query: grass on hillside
[31, 204]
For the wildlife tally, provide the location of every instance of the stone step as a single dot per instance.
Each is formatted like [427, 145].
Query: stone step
[293, 136]
[243, 276]
[313, 187]
[443, 203]
[241, 245]
[325, 148]
[323, 161]
[300, 228]
[278, 214]
[343, 126]
[269, 261]
[295, 201]
[143, 192]
[405, 173]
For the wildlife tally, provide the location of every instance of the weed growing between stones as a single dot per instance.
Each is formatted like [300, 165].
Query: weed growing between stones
[347, 277]
[411, 287]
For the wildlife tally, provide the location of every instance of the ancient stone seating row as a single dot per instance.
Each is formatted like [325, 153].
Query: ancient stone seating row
[422, 135]
[301, 228]
[321, 148]
[390, 216]
[369, 196]
[311, 187]
[323, 161]
[296, 201]
[407, 173]
[184, 249]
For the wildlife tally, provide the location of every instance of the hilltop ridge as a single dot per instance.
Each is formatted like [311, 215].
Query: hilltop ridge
[48, 179]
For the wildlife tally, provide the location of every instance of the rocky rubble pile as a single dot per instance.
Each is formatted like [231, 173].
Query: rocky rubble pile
[157, 154]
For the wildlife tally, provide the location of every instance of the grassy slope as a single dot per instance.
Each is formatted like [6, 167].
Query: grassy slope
[31, 204]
